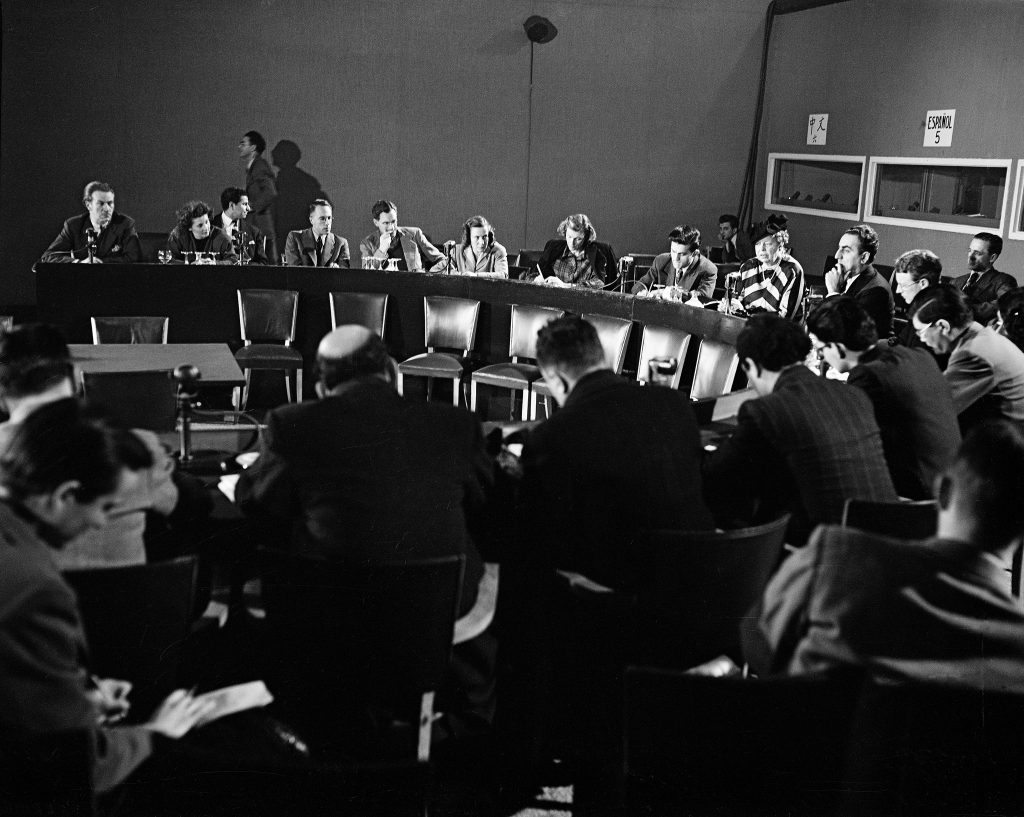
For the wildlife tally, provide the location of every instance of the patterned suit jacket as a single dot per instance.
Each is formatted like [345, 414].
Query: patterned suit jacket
[419, 253]
[806, 448]
[117, 244]
[300, 250]
[934, 610]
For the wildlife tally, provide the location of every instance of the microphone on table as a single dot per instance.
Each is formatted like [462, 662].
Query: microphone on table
[448, 246]
[90, 241]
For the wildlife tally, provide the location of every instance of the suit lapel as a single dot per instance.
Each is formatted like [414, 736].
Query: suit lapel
[412, 253]
[309, 246]
[329, 249]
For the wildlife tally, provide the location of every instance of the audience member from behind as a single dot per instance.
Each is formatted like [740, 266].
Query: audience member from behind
[805, 446]
[61, 475]
[912, 401]
[936, 610]
[247, 239]
[260, 186]
[983, 285]
[365, 476]
[854, 275]
[111, 235]
[317, 246]
[578, 258]
[194, 240]
[478, 253]
[407, 246]
[985, 369]
[736, 246]
[1011, 316]
[35, 370]
[616, 459]
[773, 282]
[681, 272]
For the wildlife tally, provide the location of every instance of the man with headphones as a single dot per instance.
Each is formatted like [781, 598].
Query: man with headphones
[578, 258]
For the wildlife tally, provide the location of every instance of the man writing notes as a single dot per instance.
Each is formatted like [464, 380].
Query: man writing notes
[351, 475]
[98, 236]
[317, 246]
[985, 369]
[805, 446]
[406, 246]
[613, 460]
[578, 258]
[913, 403]
[62, 474]
[680, 272]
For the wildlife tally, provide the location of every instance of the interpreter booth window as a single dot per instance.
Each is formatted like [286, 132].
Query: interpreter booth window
[955, 195]
[826, 186]
[1017, 219]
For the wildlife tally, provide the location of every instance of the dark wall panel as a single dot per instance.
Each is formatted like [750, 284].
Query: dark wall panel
[642, 111]
[876, 67]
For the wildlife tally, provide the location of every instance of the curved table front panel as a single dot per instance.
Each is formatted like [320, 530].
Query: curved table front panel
[203, 307]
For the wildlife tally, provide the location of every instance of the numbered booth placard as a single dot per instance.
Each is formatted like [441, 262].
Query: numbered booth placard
[938, 128]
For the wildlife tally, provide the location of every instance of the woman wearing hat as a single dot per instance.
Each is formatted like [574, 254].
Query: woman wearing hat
[772, 283]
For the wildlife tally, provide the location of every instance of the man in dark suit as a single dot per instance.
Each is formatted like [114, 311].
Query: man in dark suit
[317, 246]
[806, 446]
[854, 275]
[936, 610]
[736, 244]
[353, 473]
[261, 187]
[99, 236]
[912, 400]
[682, 271]
[617, 458]
[576, 259]
[62, 474]
[363, 475]
[984, 283]
[247, 238]
[985, 370]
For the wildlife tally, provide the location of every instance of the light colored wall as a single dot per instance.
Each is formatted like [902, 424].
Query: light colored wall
[876, 67]
[642, 111]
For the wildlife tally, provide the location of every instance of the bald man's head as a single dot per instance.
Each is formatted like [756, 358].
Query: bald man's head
[351, 352]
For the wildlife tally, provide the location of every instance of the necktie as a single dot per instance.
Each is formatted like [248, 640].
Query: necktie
[972, 279]
[320, 251]
[731, 247]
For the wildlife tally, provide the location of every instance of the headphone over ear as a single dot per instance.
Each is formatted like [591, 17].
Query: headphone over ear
[468, 226]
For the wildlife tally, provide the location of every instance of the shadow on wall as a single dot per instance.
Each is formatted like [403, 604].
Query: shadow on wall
[295, 190]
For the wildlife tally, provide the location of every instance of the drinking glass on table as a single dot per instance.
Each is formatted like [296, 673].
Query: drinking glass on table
[163, 256]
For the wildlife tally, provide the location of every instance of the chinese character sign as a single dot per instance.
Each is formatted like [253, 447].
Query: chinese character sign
[817, 128]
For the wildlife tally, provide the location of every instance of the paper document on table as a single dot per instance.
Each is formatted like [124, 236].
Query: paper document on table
[226, 485]
[238, 698]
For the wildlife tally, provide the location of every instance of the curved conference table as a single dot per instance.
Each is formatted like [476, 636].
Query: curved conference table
[203, 307]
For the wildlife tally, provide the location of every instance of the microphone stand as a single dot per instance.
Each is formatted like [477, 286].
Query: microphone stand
[90, 244]
[196, 462]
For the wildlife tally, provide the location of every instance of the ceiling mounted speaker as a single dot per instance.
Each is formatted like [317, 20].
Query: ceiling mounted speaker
[540, 29]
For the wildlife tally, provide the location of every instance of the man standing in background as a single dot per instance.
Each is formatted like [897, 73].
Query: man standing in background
[260, 187]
